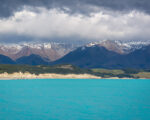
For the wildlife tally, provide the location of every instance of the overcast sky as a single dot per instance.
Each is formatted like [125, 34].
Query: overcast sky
[86, 20]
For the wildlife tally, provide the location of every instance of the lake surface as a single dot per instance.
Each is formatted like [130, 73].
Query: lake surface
[71, 99]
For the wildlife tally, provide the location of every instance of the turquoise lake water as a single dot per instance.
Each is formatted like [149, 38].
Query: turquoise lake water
[71, 99]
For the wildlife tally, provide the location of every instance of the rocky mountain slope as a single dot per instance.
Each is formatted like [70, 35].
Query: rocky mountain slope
[48, 51]
[105, 54]
[98, 56]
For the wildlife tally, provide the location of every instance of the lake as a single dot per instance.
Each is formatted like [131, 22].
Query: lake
[74, 99]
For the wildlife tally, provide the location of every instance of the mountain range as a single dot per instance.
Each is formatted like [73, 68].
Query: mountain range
[48, 51]
[105, 54]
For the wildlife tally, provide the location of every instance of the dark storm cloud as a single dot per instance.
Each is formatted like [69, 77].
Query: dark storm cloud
[8, 7]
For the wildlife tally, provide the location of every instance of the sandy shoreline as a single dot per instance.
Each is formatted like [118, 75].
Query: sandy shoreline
[6, 76]
[15, 76]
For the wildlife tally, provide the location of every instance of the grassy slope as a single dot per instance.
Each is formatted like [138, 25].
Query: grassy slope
[142, 75]
[131, 73]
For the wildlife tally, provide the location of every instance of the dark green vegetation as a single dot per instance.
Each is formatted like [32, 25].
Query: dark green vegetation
[32, 60]
[6, 60]
[28, 60]
[41, 69]
[68, 69]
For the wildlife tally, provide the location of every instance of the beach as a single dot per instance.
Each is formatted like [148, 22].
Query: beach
[20, 75]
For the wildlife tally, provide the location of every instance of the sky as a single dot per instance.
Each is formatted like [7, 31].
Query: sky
[74, 20]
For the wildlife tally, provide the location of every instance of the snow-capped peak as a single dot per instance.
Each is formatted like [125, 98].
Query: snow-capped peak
[120, 46]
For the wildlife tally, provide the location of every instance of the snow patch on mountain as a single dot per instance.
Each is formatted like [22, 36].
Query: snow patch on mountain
[50, 50]
[119, 46]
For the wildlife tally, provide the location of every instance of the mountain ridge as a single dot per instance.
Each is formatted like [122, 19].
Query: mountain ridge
[107, 54]
[49, 51]
[99, 57]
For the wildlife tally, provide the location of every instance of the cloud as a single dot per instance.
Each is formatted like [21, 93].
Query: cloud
[52, 23]
[8, 7]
